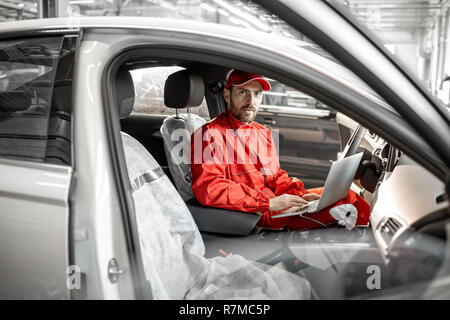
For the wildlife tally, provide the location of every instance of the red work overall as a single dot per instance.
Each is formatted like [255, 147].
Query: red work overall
[235, 166]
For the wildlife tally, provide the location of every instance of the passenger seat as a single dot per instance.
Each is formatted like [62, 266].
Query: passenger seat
[183, 89]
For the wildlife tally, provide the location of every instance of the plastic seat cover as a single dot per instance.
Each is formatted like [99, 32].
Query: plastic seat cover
[173, 250]
[178, 151]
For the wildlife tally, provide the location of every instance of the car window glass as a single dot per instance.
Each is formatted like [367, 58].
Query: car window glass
[306, 132]
[16, 74]
[35, 99]
[149, 88]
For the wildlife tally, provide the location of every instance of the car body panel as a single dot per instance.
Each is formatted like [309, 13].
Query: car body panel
[34, 226]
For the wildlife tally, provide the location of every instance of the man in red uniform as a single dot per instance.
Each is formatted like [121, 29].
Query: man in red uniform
[235, 165]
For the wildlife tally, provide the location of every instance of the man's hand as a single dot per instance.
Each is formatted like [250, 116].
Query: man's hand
[310, 196]
[285, 201]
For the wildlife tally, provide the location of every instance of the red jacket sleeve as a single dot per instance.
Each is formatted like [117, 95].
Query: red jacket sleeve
[282, 183]
[212, 188]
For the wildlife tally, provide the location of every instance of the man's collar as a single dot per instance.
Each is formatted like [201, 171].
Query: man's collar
[233, 122]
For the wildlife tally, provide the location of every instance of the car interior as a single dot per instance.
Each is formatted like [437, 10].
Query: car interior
[405, 238]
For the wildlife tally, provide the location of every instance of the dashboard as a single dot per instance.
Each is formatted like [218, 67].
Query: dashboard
[405, 198]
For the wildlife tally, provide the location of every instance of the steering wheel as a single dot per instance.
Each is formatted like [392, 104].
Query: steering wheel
[354, 141]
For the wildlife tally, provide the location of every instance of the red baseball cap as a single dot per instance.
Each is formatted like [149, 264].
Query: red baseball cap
[239, 78]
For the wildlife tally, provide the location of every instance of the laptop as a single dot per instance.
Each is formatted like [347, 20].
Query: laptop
[336, 187]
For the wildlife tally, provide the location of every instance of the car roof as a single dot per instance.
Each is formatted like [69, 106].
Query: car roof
[306, 51]
[120, 22]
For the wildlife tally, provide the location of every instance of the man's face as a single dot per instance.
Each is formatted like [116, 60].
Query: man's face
[244, 101]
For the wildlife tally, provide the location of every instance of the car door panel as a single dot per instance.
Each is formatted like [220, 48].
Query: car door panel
[34, 230]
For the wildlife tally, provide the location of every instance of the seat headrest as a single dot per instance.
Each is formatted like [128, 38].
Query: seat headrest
[183, 89]
[124, 92]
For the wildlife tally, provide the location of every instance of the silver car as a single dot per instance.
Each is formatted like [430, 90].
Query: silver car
[68, 228]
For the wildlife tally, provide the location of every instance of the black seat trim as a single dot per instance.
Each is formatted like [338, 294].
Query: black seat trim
[223, 221]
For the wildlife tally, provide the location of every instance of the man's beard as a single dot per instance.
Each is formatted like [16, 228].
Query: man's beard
[241, 113]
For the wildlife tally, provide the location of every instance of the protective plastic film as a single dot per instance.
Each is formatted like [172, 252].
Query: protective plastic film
[176, 133]
[173, 250]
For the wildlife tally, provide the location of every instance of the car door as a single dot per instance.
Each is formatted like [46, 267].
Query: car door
[109, 49]
[35, 166]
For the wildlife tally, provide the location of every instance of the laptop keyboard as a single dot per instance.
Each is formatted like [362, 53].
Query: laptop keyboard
[309, 208]
[312, 206]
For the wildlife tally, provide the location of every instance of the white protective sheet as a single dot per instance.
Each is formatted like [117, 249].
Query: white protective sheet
[346, 215]
[176, 134]
[173, 250]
